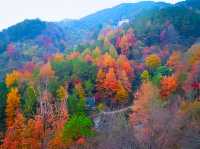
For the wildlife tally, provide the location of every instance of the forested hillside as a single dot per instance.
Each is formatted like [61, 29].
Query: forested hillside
[129, 86]
[154, 24]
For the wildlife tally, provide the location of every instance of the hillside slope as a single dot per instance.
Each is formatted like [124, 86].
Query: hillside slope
[154, 23]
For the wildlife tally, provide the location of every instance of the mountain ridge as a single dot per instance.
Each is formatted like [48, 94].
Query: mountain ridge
[74, 31]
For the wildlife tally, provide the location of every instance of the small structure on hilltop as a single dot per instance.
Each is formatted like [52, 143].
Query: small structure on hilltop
[122, 22]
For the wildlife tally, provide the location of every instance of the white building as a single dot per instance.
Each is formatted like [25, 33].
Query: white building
[122, 22]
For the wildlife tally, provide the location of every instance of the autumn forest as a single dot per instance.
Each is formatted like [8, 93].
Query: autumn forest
[129, 81]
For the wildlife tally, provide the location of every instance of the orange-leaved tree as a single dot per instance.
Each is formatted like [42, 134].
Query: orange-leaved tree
[106, 61]
[140, 118]
[46, 71]
[124, 64]
[22, 135]
[127, 41]
[110, 82]
[174, 60]
[168, 85]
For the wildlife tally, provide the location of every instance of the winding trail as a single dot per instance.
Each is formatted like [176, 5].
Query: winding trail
[104, 119]
[114, 112]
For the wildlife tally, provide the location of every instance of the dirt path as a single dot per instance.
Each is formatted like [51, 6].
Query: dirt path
[114, 112]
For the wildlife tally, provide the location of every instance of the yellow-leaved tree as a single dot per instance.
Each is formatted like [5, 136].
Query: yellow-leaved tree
[152, 61]
[121, 94]
[62, 93]
[11, 78]
[13, 100]
[58, 57]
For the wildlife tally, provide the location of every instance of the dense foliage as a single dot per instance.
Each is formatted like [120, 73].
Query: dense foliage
[132, 87]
